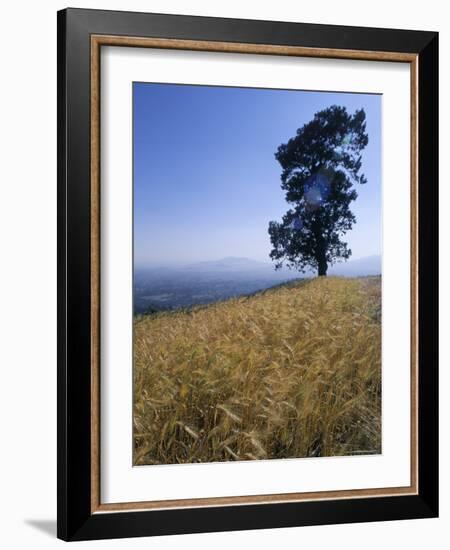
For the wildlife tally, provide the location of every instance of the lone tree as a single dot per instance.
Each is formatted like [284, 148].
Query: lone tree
[320, 166]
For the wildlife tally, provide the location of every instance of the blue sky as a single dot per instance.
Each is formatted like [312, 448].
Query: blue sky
[206, 182]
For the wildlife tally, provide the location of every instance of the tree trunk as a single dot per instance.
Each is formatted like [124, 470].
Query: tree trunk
[322, 272]
[320, 251]
[322, 260]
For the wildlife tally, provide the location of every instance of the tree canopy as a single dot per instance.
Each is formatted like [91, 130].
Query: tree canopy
[320, 165]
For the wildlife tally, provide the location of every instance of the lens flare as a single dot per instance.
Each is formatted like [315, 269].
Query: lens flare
[317, 190]
[296, 224]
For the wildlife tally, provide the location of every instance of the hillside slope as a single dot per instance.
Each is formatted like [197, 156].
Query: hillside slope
[290, 372]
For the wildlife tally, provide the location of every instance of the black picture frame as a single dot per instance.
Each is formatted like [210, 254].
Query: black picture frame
[75, 518]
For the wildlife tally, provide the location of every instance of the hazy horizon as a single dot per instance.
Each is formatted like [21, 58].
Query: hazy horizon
[268, 262]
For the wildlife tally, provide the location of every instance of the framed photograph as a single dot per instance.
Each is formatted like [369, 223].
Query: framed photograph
[247, 253]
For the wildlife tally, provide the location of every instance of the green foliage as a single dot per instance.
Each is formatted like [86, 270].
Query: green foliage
[320, 167]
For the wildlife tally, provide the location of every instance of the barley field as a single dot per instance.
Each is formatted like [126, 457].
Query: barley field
[294, 371]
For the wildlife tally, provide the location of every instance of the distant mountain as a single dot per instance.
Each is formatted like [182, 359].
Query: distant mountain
[371, 265]
[235, 265]
[229, 264]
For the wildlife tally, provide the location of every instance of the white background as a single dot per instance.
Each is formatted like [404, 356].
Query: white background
[28, 274]
[119, 481]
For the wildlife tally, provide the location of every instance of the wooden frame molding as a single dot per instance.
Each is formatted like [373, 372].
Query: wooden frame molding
[96, 42]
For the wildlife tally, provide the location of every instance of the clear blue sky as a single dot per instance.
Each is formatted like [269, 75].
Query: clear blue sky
[206, 182]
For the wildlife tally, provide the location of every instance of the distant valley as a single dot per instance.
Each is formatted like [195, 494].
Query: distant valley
[165, 288]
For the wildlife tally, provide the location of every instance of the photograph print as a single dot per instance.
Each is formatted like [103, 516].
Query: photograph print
[257, 274]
